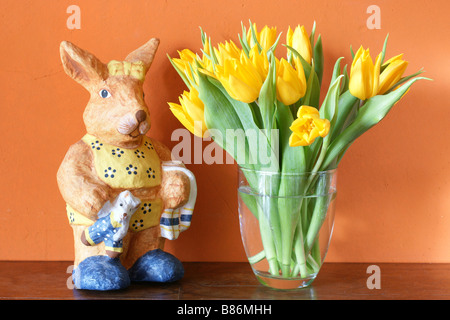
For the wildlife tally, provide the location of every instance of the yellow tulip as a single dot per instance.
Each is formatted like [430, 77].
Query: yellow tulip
[259, 61]
[266, 38]
[187, 55]
[240, 78]
[364, 75]
[190, 64]
[183, 63]
[299, 68]
[307, 127]
[227, 50]
[290, 83]
[206, 63]
[299, 40]
[394, 69]
[206, 47]
[190, 112]
[394, 58]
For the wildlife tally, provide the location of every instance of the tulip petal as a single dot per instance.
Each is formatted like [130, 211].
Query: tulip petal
[299, 40]
[240, 79]
[240, 90]
[356, 84]
[193, 106]
[286, 93]
[376, 76]
[307, 127]
[391, 75]
[181, 116]
[296, 141]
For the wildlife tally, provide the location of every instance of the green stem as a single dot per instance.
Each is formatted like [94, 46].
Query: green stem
[299, 250]
[313, 263]
[318, 216]
[268, 242]
[318, 164]
[265, 210]
[269, 206]
[286, 246]
[257, 257]
[288, 214]
[304, 217]
[315, 252]
[305, 239]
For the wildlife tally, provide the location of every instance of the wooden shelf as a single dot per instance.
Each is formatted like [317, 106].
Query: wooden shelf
[234, 281]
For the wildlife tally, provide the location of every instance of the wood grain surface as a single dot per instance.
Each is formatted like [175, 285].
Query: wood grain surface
[234, 281]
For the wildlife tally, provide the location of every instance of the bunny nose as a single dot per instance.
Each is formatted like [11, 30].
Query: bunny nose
[140, 115]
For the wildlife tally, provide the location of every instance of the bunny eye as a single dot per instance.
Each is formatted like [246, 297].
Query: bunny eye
[104, 93]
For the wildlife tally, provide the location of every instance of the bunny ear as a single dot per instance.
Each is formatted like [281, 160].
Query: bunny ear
[145, 53]
[81, 65]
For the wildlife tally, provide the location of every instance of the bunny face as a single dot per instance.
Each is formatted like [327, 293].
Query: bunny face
[116, 112]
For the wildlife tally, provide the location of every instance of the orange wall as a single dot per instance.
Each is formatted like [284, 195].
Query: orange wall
[394, 183]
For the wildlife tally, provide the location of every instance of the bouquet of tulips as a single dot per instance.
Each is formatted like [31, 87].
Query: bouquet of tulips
[247, 88]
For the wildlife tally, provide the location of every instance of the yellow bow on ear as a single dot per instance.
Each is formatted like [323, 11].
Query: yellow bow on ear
[134, 69]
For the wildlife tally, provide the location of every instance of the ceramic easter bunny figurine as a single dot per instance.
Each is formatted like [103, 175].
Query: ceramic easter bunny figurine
[116, 155]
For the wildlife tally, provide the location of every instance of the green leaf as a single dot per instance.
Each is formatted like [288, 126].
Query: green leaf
[223, 112]
[292, 158]
[383, 52]
[275, 44]
[220, 116]
[255, 39]
[329, 108]
[312, 153]
[292, 161]
[244, 45]
[203, 36]
[243, 39]
[346, 81]
[268, 95]
[318, 58]
[346, 103]
[351, 51]
[256, 111]
[312, 95]
[336, 70]
[312, 35]
[373, 111]
[180, 73]
[306, 66]
[315, 96]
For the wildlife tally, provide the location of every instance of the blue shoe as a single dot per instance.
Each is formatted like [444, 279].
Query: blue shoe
[157, 266]
[100, 273]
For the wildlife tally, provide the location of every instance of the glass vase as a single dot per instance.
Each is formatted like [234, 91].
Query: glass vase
[286, 222]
